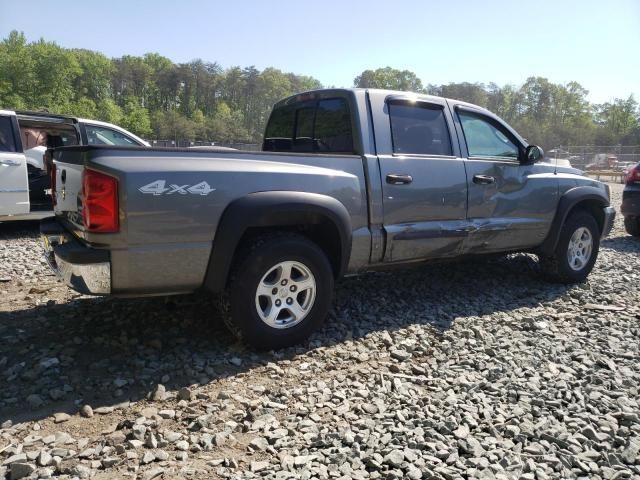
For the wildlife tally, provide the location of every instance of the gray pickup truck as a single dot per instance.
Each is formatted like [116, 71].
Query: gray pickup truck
[349, 180]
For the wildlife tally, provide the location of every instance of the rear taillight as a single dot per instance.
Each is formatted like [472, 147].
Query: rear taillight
[633, 175]
[100, 202]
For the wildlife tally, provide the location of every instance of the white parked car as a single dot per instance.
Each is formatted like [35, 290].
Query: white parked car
[24, 139]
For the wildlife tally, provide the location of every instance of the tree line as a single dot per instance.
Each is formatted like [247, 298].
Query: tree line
[155, 97]
[546, 113]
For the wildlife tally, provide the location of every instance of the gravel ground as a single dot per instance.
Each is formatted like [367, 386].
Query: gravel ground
[471, 370]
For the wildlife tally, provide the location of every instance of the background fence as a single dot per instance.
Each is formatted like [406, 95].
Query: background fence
[616, 157]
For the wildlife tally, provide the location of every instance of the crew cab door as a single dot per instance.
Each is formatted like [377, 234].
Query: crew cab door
[14, 186]
[423, 180]
[511, 204]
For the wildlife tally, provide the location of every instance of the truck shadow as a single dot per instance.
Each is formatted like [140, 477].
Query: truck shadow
[105, 351]
[625, 243]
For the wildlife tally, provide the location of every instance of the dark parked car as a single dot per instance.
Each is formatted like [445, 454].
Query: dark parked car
[631, 201]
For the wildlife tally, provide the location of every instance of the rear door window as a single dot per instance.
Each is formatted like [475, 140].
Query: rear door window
[7, 140]
[419, 128]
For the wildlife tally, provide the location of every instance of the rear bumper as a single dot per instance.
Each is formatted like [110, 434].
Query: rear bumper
[609, 218]
[86, 270]
[631, 201]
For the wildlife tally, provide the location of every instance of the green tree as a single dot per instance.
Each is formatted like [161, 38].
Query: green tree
[389, 78]
[93, 80]
[108, 111]
[475, 93]
[172, 125]
[198, 100]
[227, 125]
[136, 118]
[618, 121]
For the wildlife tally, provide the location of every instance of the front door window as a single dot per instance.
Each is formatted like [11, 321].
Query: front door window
[486, 139]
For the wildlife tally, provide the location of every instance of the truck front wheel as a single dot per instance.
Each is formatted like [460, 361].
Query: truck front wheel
[576, 251]
[280, 291]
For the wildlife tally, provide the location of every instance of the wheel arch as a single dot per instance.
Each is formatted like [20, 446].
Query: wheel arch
[321, 218]
[586, 198]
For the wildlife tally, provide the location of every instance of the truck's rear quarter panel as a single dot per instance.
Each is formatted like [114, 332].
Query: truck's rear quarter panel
[166, 237]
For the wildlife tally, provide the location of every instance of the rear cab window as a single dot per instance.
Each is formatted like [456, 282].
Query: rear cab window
[313, 126]
[419, 128]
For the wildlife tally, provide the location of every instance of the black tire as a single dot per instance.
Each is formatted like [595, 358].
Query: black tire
[556, 268]
[239, 308]
[632, 226]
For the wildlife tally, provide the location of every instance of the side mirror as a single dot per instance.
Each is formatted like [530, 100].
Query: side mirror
[533, 154]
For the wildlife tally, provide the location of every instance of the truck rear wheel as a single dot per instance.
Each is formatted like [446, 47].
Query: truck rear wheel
[576, 251]
[280, 291]
[632, 226]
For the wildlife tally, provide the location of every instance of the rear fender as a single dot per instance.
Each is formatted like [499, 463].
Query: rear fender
[272, 210]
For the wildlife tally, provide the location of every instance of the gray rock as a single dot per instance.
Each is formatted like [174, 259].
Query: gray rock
[158, 394]
[81, 471]
[471, 446]
[172, 437]
[151, 440]
[182, 445]
[153, 473]
[135, 444]
[400, 355]
[161, 455]
[56, 394]
[148, 457]
[86, 411]
[21, 470]
[630, 453]
[184, 394]
[61, 417]
[103, 410]
[44, 458]
[16, 458]
[108, 462]
[461, 432]
[259, 466]
[182, 456]
[259, 443]
[395, 458]
[35, 400]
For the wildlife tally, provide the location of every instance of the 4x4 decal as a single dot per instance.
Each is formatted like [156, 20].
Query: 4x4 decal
[159, 187]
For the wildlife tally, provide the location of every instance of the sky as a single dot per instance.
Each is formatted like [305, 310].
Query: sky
[593, 42]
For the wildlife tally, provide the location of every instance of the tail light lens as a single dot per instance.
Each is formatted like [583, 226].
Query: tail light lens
[633, 175]
[100, 202]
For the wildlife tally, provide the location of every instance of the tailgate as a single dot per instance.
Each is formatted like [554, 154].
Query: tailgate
[86, 196]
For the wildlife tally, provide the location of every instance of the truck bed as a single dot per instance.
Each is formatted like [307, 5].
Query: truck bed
[170, 202]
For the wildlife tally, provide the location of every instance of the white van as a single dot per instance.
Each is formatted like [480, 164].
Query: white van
[24, 138]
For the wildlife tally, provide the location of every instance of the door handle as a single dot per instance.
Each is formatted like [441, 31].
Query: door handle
[399, 179]
[483, 179]
[10, 163]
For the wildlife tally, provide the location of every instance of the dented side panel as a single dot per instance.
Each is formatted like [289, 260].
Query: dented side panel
[514, 212]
